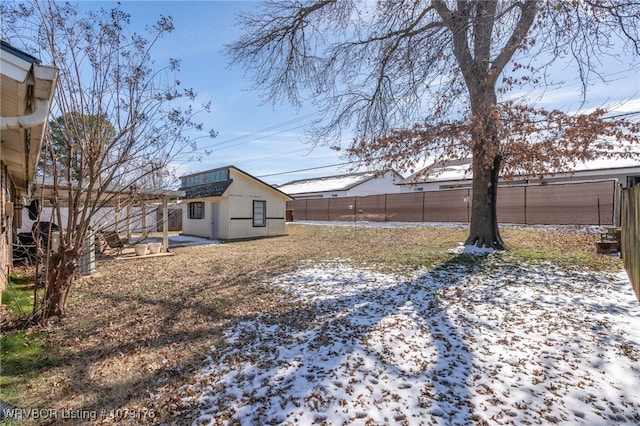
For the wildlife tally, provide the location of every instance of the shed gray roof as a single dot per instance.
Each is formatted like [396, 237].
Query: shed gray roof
[212, 189]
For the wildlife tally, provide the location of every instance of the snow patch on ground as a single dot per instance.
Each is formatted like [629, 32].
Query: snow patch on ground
[470, 342]
[580, 229]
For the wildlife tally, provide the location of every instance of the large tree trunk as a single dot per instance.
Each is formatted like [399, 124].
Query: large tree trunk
[484, 230]
[61, 268]
[487, 163]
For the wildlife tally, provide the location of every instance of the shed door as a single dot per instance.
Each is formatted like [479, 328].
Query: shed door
[215, 213]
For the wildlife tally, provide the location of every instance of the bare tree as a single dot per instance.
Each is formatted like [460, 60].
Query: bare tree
[415, 79]
[121, 119]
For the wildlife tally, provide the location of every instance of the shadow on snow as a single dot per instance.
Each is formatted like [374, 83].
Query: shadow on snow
[363, 346]
[446, 346]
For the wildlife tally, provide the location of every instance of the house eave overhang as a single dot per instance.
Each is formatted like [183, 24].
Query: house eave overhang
[26, 94]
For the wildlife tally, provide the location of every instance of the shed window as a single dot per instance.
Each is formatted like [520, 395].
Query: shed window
[196, 210]
[207, 177]
[259, 213]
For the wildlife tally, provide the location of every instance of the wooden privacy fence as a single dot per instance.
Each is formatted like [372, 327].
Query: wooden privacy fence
[175, 219]
[630, 244]
[581, 203]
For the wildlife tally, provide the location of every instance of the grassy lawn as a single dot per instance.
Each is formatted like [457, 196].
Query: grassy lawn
[18, 296]
[141, 328]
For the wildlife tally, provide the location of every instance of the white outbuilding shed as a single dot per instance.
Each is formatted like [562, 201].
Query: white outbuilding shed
[229, 204]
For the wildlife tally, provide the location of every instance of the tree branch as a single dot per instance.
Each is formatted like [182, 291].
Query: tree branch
[527, 16]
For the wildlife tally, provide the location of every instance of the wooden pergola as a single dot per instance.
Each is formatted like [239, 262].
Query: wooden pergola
[143, 197]
[119, 198]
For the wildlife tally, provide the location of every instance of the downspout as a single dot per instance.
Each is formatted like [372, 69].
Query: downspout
[35, 118]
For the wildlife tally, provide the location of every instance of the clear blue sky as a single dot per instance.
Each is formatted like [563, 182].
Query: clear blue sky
[268, 141]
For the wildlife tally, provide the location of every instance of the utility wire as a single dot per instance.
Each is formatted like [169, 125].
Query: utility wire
[223, 145]
[306, 170]
[625, 114]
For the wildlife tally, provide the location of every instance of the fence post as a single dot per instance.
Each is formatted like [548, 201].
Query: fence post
[617, 194]
[467, 201]
[385, 208]
[355, 209]
[525, 205]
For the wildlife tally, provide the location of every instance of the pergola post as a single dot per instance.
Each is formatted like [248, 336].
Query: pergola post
[116, 216]
[144, 220]
[165, 224]
[128, 222]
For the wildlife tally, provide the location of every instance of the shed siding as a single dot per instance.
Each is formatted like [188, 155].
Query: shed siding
[242, 193]
[199, 227]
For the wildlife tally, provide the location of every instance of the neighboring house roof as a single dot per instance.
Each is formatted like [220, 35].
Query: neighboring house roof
[442, 171]
[607, 164]
[329, 183]
[26, 92]
[218, 188]
[457, 170]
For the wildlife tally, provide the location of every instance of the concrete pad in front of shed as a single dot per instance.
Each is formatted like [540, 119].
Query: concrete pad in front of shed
[190, 240]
